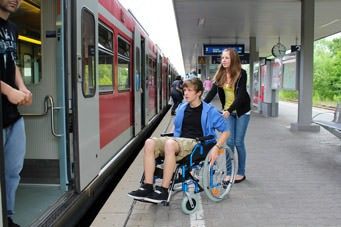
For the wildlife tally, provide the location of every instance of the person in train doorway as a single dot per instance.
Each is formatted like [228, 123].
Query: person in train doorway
[230, 83]
[14, 93]
[193, 119]
[176, 93]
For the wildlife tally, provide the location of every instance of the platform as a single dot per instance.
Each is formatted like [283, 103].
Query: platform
[293, 179]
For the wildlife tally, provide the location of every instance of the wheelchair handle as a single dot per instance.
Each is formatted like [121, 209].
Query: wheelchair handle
[170, 134]
[204, 138]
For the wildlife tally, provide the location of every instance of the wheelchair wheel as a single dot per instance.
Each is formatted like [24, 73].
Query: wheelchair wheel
[186, 206]
[213, 175]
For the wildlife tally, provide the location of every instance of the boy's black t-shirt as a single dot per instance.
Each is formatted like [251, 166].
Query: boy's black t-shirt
[8, 54]
[191, 125]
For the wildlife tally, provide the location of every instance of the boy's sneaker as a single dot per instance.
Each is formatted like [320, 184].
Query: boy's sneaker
[159, 195]
[142, 192]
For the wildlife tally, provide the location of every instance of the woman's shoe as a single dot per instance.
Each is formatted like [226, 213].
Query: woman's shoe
[240, 180]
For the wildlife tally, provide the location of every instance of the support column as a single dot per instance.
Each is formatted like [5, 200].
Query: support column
[253, 58]
[304, 121]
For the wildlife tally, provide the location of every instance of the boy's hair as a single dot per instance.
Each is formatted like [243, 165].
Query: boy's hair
[196, 83]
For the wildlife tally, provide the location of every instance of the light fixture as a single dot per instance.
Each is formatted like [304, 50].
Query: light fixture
[30, 40]
[330, 23]
[201, 21]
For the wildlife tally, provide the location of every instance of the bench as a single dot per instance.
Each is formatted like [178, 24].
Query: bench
[333, 126]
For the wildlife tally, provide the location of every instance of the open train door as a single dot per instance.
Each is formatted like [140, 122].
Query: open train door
[3, 212]
[85, 99]
[137, 81]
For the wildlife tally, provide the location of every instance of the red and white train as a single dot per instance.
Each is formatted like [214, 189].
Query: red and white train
[99, 84]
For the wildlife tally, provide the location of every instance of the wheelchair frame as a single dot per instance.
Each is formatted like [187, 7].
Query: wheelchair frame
[212, 176]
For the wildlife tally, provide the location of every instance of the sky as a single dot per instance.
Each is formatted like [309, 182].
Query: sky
[158, 19]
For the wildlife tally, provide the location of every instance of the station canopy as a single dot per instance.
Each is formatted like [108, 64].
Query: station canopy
[202, 22]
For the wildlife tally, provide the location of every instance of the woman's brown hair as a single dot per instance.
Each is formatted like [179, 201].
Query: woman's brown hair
[234, 69]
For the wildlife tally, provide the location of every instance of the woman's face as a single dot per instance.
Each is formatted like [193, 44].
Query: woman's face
[225, 59]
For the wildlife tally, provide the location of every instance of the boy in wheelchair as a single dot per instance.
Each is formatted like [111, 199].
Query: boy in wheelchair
[194, 119]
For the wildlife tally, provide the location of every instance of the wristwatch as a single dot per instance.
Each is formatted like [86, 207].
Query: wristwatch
[219, 147]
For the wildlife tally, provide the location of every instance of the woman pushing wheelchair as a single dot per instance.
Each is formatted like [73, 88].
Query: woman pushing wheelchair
[194, 118]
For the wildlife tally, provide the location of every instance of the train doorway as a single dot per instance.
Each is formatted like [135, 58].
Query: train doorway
[143, 83]
[44, 178]
[137, 81]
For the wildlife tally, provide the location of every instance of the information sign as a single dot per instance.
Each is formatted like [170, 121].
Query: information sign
[217, 49]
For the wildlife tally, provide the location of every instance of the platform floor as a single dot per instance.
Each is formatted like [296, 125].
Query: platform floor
[293, 179]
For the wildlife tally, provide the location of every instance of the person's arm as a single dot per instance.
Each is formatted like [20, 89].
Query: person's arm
[211, 94]
[22, 87]
[222, 125]
[219, 145]
[241, 93]
[13, 95]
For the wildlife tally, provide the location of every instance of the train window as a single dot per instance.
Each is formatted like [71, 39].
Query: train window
[138, 70]
[88, 54]
[123, 65]
[105, 59]
[29, 62]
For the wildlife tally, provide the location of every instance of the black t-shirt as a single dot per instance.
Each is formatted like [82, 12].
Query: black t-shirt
[8, 54]
[191, 125]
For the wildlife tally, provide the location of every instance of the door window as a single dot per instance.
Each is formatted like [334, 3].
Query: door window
[88, 54]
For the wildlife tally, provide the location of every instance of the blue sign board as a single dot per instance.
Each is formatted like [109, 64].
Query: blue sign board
[217, 49]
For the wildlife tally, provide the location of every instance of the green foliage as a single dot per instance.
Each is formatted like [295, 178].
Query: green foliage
[288, 95]
[105, 74]
[327, 70]
[327, 74]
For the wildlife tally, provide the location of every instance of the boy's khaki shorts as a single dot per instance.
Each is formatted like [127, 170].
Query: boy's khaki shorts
[186, 146]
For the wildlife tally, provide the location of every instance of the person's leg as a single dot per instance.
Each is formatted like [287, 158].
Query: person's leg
[241, 127]
[149, 161]
[153, 147]
[14, 148]
[171, 149]
[175, 149]
[230, 143]
[175, 100]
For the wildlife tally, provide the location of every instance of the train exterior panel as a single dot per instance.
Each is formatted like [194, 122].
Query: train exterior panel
[99, 85]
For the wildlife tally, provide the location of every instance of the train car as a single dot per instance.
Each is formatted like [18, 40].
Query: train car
[99, 85]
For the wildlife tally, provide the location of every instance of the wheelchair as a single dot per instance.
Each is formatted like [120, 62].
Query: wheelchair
[195, 173]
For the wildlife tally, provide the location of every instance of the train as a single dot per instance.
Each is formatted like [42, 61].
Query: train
[99, 85]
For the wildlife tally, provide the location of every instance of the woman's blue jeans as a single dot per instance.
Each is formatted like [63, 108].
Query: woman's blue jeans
[14, 140]
[238, 130]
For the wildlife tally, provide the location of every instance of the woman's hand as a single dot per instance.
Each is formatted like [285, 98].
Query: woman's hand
[226, 114]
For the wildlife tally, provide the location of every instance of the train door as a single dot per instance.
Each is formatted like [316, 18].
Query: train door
[137, 81]
[85, 99]
[158, 82]
[143, 84]
[3, 212]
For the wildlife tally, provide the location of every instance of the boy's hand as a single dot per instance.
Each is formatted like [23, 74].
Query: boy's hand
[28, 97]
[16, 97]
[213, 155]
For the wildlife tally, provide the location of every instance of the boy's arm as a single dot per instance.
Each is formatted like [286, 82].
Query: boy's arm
[220, 142]
[22, 87]
[13, 95]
